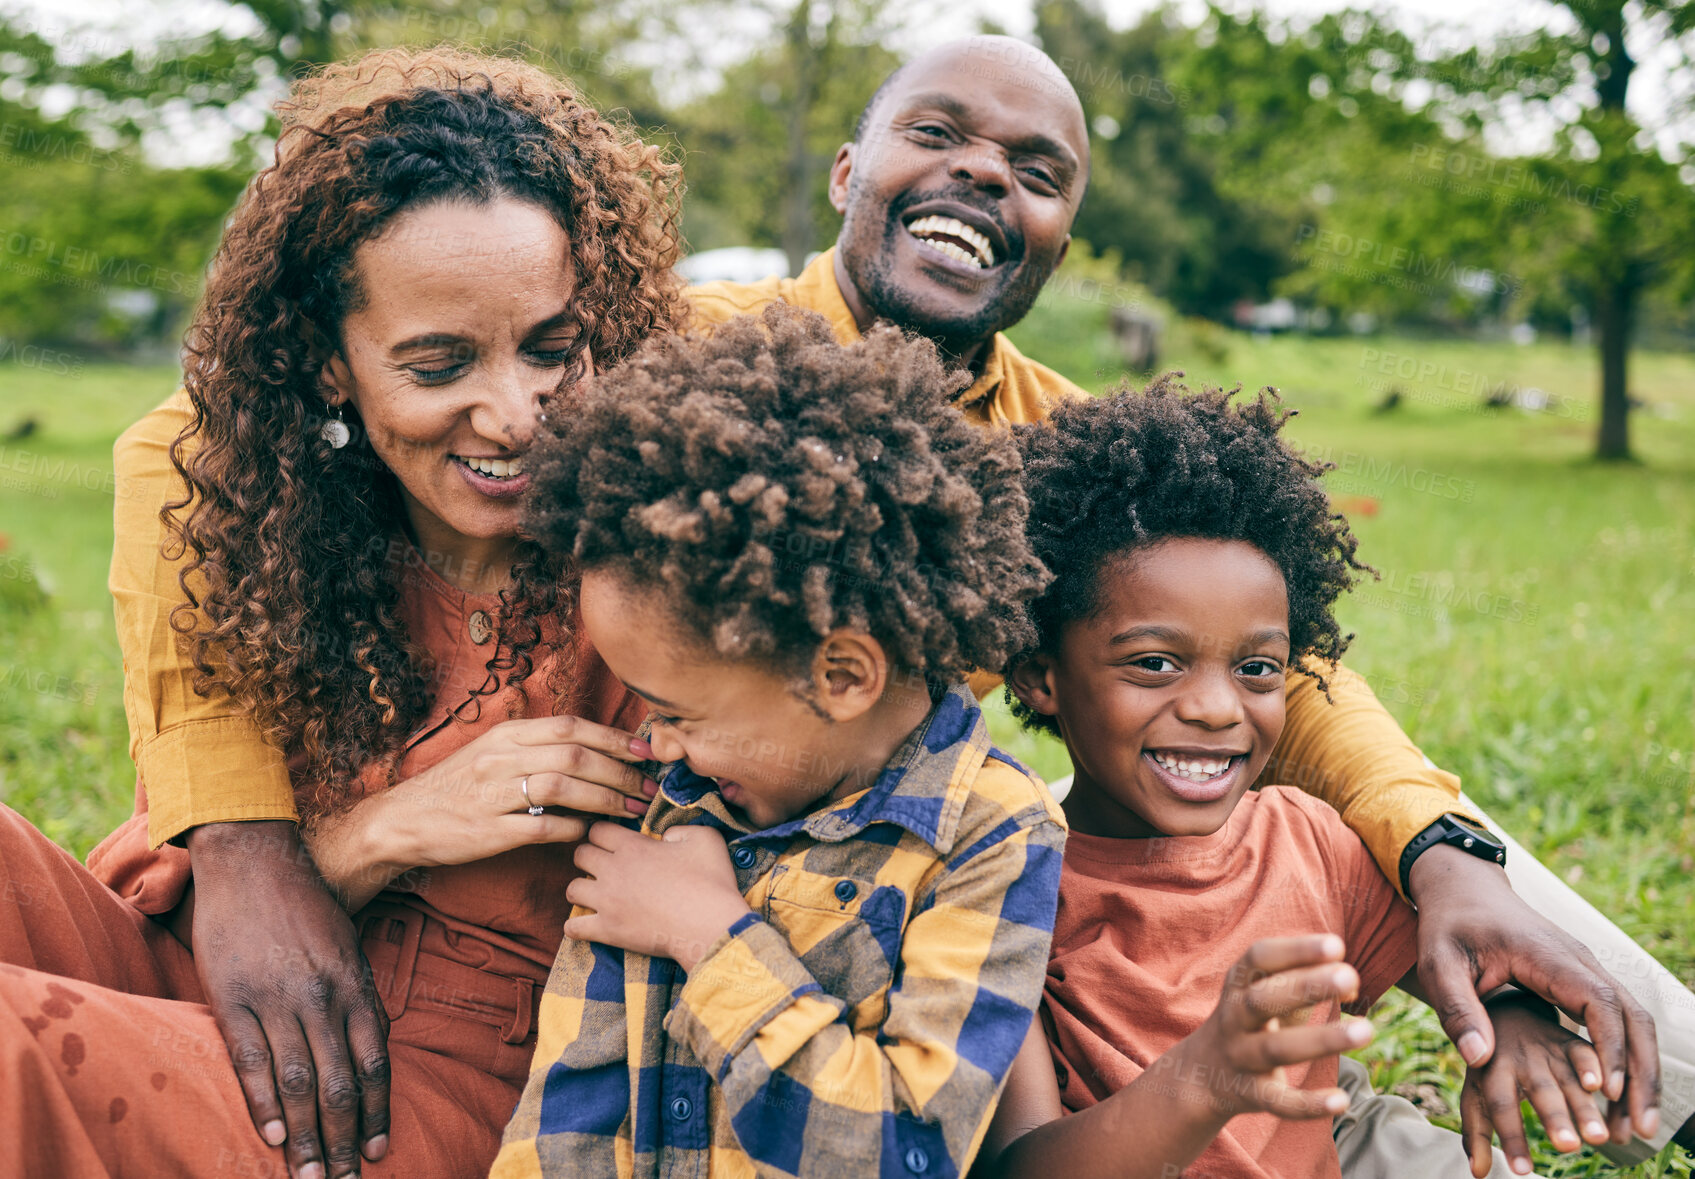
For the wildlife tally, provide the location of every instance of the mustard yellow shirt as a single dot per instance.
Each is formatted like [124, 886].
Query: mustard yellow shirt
[201, 761]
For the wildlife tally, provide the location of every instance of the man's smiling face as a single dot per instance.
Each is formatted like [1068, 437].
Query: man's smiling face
[958, 196]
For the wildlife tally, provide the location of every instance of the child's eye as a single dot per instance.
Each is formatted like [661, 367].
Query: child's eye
[1258, 668]
[1154, 663]
[661, 720]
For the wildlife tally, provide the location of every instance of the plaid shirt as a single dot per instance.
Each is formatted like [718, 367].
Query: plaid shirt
[859, 1021]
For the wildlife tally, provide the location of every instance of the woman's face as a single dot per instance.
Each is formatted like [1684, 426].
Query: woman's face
[465, 325]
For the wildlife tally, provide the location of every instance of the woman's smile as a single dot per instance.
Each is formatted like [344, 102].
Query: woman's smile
[495, 478]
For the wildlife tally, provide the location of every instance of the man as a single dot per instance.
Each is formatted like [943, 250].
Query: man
[957, 196]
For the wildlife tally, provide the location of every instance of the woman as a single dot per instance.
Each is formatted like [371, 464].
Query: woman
[443, 242]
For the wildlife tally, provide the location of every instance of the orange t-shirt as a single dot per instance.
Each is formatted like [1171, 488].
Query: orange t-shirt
[1148, 928]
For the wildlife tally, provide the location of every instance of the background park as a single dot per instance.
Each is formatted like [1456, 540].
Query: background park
[1466, 257]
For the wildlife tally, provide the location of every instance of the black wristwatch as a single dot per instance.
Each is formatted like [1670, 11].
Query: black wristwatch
[1454, 831]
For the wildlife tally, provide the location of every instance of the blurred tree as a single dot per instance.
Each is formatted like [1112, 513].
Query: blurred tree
[1620, 216]
[1157, 194]
[760, 143]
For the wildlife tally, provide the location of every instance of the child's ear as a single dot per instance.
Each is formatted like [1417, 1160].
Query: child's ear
[1033, 683]
[849, 673]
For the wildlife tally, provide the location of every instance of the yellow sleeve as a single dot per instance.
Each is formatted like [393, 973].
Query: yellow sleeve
[200, 760]
[1353, 755]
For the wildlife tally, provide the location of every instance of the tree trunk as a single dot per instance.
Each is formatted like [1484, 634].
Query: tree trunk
[1613, 307]
[797, 194]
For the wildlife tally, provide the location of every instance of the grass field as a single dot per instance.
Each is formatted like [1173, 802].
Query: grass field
[1534, 628]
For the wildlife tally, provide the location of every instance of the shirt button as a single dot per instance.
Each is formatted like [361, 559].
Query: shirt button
[917, 1161]
[481, 628]
[743, 857]
[846, 890]
[681, 1108]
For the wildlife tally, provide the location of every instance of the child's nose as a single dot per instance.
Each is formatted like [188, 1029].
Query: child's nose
[665, 745]
[1211, 701]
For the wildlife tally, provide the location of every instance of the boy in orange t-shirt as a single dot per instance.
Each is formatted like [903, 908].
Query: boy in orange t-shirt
[1196, 559]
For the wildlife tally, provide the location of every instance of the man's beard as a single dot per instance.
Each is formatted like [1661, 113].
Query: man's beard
[1004, 304]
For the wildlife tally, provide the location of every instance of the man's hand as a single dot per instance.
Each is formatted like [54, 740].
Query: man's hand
[1537, 1057]
[670, 897]
[1234, 1062]
[283, 973]
[1476, 935]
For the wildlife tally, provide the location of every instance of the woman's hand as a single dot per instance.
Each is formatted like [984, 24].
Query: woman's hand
[470, 806]
[1234, 1062]
[634, 881]
[282, 971]
[1538, 1058]
[1475, 935]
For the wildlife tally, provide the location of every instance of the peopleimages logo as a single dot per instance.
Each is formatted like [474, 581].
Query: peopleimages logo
[1510, 175]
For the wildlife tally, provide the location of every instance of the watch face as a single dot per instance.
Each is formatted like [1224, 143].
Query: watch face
[1479, 833]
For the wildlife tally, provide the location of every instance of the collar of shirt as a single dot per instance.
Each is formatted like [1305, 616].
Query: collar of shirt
[1010, 390]
[923, 788]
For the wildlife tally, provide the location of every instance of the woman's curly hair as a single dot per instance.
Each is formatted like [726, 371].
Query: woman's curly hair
[778, 485]
[1110, 476]
[292, 595]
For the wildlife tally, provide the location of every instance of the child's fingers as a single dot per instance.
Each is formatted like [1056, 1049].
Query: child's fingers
[1476, 1131]
[1550, 1100]
[1585, 1062]
[1291, 990]
[1275, 954]
[1500, 1099]
[1618, 1119]
[1580, 1086]
[1268, 1050]
[585, 928]
[1298, 1105]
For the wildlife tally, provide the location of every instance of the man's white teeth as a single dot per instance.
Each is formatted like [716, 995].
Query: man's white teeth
[983, 253]
[1196, 769]
[495, 468]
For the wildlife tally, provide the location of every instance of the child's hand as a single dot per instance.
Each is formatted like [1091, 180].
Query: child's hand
[668, 897]
[1234, 1062]
[1538, 1058]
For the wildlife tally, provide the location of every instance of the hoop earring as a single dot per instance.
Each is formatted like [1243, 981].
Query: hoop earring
[335, 431]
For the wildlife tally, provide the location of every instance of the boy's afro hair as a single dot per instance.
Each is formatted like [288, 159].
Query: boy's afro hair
[1123, 472]
[778, 485]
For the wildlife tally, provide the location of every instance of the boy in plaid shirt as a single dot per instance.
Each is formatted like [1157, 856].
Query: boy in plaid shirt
[823, 949]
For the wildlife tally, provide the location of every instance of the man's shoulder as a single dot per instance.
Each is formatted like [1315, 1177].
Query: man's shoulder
[715, 302]
[1052, 383]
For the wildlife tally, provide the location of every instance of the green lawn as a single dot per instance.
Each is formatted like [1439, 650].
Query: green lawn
[1534, 628]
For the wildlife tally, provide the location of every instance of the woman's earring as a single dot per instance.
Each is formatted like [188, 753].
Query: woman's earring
[335, 431]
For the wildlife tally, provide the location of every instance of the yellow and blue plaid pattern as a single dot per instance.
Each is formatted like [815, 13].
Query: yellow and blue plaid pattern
[860, 1021]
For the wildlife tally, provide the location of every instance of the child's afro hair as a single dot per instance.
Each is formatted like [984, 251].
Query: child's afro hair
[1125, 471]
[777, 485]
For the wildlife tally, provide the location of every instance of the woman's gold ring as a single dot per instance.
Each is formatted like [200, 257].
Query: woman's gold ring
[525, 787]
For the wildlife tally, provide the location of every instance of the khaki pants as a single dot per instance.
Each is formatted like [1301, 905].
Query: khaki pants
[1383, 1136]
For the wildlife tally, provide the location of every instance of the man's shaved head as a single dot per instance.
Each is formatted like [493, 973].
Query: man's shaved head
[986, 52]
[959, 189]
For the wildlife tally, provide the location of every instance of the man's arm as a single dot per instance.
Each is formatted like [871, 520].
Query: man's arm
[278, 958]
[201, 759]
[1347, 750]
[1475, 934]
